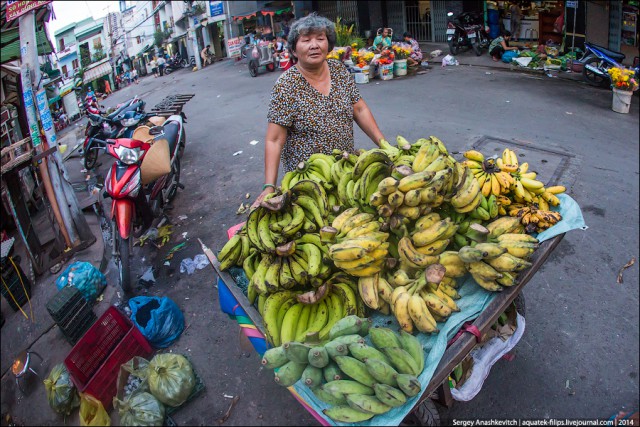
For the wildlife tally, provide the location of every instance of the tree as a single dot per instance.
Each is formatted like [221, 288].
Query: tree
[158, 38]
[85, 56]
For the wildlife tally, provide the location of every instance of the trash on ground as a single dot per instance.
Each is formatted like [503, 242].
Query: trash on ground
[435, 53]
[243, 208]
[187, 266]
[248, 195]
[147, 279]
[171, 378]
[61, 392]
[237, 153]
[151, 234]
[182, 217]
[173, 250]
[254, 142]
[164, 234]
[184, 235]
[627, 265]
[159, 319]
[449, 60]
[228, 413]
[201, 261]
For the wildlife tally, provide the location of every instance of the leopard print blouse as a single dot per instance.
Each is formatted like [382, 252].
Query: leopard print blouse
[314, 122]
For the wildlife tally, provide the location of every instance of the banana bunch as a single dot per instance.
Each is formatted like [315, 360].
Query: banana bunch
[372, 167]
[358, 380]
[362, 248]
[341, 167]
[292, 316]
[235, 251]
[491, 178]
[534, 219]
[317, 168]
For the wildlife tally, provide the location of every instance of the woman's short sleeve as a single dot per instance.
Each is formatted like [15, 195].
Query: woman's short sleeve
[281, 105]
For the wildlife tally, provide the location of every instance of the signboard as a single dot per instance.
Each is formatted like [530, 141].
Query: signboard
[16, 8]
[572, 4]
[216, 8]
[234, 46]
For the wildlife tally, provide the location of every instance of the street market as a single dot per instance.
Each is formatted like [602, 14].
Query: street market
[375, 285]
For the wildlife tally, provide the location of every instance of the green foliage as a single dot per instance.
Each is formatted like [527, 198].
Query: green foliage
[85, 57]
[158, 38]
[345, 35]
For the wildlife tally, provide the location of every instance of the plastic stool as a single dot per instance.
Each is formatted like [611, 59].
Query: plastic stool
[21, 369]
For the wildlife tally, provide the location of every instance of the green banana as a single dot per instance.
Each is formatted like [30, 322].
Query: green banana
[355, 369]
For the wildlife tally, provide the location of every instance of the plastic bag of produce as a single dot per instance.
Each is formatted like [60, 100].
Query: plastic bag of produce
[92, 413]
[61, 393]
[140, 409]
[132, 378]
[171, 378]
[84, 276]
[159, 319]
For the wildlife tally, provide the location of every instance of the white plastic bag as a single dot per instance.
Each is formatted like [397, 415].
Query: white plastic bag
[449, 60]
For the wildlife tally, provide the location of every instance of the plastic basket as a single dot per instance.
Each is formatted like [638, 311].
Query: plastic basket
[67, 301]
[94, 361]
[79, 326]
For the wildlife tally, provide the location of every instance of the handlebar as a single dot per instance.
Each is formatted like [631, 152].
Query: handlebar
[103, 142]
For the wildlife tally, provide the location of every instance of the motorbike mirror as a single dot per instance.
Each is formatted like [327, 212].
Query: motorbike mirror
[155, 130]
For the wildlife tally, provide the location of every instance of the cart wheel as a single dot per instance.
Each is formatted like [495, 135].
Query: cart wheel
[425, 414]
[271, 67]
[253, 68]
[519, 303]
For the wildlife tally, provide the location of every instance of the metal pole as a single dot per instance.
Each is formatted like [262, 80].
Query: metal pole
[30, 69]
[192, 33]
[573, 37]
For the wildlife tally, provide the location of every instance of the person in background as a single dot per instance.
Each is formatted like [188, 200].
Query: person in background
[382, 40]
[134, 76]
[516, 17]
[154, 66]
[205, 55]
[313, 104]
[161, 61]
[107, 87]
[500, 45]
[279, 47]
[416, 56]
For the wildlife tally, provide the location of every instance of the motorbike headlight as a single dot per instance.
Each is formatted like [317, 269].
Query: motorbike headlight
[129, 122]
[128, 156]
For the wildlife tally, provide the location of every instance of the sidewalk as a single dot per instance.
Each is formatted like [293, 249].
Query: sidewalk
[468, 58]
[39, 333]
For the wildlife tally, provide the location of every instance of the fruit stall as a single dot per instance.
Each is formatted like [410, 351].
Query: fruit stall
[366, 278]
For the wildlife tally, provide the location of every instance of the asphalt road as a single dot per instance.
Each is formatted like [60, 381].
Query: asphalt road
[578, 357]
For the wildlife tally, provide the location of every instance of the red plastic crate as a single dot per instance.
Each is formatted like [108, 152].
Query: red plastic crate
[94, 362]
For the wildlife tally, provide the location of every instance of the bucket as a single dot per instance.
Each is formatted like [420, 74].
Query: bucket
[362, 78]
[386, 71]
[621, 101]
[400, 67]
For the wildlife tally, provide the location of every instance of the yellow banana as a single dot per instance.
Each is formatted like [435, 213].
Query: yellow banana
[420, 315]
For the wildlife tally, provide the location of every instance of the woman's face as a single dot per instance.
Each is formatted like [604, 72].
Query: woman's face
[312, 48]
[385, 33]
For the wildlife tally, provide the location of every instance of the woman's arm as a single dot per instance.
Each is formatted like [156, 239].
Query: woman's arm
[274, 141]
[364, 118]
[505, 47]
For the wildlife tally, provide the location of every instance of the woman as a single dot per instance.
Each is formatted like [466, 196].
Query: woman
[499, 46]
[154, 67]
[313, 104]
[382, 40]
[416, 55]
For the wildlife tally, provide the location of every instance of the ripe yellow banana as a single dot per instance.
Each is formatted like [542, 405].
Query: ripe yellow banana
[368, 289]
[420, 315]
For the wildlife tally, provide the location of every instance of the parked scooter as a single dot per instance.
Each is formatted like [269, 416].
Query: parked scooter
[466, 31]
[135, 205]
[175, 63]
[112, 126]
[597, 60]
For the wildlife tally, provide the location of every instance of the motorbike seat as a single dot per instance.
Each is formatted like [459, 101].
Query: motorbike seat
[123, 110]
[118, 111]
[617, 56]
[171, 130]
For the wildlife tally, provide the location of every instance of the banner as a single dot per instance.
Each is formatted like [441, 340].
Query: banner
[16, 9]
[234, 46]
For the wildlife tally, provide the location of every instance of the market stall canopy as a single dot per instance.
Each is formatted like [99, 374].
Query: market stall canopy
[263, 12]
[10, 37]
[95, 71]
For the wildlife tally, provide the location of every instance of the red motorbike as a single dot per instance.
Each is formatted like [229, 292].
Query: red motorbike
[136, 205]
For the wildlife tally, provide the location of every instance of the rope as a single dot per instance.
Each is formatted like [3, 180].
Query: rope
[23, 288]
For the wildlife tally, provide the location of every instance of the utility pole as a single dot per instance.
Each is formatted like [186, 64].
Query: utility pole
[192, 34]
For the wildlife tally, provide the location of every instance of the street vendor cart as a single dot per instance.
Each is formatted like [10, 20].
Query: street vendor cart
[235, 303]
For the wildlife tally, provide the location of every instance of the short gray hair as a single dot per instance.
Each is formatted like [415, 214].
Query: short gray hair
[312, 23]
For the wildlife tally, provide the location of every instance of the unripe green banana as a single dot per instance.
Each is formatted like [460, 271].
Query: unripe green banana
[355, 369]
[413, 346]
[297, 352]
[384, 337]
[274, 358]
[345, 326]
[318, 357]
[409, 384]
[288, 374]
[365, 326]
[348, 339]
[346, 414]
[390, 396]
[332, 372]
[362, 352]
[402, 360]
[334, 399]
[348, 387]
[382, 371]
[370, 404]
[312, 376]
[336, 348]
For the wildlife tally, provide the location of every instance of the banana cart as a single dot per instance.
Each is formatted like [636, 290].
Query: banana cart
[422, 410]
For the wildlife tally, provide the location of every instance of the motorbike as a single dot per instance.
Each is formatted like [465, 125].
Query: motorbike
[175, 64]
[597, 60]
[113, 125]
[135, 206]
[261, 55]
[465, 31]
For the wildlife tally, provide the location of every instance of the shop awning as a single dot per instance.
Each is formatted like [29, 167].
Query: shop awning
[263, 12]
[54, 99]
[96, 72]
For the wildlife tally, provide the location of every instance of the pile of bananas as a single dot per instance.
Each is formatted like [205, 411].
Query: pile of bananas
[358, 380]
[317, 168]
[534, 218]
[361, 249]
[492, 179]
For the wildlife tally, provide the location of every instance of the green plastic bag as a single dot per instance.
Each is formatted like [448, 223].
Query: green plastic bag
[92, 412]
[140, 409]
[61, 392]
[171, 378]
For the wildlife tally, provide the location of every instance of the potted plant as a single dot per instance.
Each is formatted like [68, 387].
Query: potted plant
[385, 64]
[623, 83]
[401, 52]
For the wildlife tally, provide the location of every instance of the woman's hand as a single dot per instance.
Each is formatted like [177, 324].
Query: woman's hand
[261, 197]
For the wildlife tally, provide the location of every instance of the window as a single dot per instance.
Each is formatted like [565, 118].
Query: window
[138, 40]
[96, 43]
[75, 64]
[64, 70]
[61, 41]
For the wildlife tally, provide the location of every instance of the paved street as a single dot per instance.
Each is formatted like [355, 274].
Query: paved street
[576, 359]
